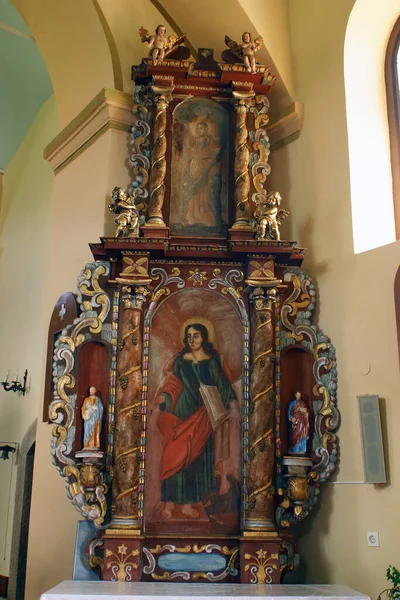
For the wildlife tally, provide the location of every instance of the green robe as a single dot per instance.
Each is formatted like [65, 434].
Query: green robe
[193, 483]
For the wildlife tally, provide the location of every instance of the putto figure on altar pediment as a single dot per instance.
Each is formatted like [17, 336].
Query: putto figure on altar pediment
[245, 51]
[127, 213]
[160, 45]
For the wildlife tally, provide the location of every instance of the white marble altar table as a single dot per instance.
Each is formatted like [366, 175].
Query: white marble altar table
[92, 590]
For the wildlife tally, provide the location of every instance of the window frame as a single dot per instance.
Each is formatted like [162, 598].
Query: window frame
[393, 109]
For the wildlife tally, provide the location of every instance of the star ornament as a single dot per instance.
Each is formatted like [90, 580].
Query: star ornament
[122, 549]
[261, 553]
[197, 277]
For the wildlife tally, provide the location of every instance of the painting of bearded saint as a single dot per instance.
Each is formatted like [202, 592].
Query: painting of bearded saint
[199, 181]
[197, 412]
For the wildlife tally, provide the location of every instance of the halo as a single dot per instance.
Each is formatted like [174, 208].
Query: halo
[202, 321]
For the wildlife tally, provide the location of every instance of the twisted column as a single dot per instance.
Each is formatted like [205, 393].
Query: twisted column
[260, 466]
[162, 98]
[128, 420]
[241, 105]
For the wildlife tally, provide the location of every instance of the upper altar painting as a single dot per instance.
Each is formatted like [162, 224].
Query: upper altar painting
[199, 173]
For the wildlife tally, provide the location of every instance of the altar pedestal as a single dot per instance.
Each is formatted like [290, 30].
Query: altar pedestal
[92, 590]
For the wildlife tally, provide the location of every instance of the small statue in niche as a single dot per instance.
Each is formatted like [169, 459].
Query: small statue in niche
[269, 216]
[92, 415]
[128, 217]
[159, 44]
[246, 50]
[299, 425]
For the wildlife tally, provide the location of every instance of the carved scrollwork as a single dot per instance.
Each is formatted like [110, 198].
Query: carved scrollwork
[228, 284]
[299, 494]
[140, 132]
[96, 553]
[85, 484]
[260, 146]
[164, 278]
[87, 490]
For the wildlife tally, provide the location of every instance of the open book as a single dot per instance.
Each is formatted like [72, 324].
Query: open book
[214, 406]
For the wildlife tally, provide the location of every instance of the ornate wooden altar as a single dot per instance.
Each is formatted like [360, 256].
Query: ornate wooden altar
[174, 387]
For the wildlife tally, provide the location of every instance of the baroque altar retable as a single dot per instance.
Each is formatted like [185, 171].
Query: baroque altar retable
[192, 395]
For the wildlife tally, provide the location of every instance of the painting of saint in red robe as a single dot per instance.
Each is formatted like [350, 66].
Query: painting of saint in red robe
[197, 410]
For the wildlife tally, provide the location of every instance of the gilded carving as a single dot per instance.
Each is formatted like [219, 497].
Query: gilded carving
[120, 566]
[87, 491]
[260, 146]
[269, 216]
[162, 97]
[299, 493]
[127, 213]
[85, 483]
[241, 104]
[129, 426]
[261, 565]
[260, 464]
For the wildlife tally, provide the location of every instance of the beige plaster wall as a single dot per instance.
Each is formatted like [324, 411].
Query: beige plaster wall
[74, 47]
[272, 20]
[124, 20]
[79, 217]
[356, 306]
[25, 233]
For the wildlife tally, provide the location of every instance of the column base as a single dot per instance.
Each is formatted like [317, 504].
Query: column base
[124, 523]
[122, 556]
[241, 233]
[259, 559]
[155, 229]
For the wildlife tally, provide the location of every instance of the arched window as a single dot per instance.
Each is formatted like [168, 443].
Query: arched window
[392, 76]
[368, 30]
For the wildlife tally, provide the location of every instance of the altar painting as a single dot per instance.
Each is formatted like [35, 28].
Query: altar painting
[199, 173]
[194, 435]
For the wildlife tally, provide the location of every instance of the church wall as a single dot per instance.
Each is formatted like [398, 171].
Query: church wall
[74, 47]
[356, 306]
[276, 37]
[25, 222]
[79, 217]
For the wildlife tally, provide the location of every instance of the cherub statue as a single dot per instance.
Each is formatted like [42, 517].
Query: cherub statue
[268, 217]
[128, 216]
[159, 44]
[246, 50]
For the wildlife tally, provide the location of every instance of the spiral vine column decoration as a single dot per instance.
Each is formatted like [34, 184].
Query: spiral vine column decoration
[162, 98]
[241, 103]
[259, 513]
[128, 420]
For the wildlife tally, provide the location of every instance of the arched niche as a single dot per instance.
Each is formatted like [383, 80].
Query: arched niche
[94, 369]
[296, 376]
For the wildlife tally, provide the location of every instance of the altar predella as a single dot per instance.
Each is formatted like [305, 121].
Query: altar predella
[193, 397]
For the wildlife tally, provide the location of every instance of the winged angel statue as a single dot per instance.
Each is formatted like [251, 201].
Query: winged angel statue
[269, 216]
[159, 44]
[246, 50]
